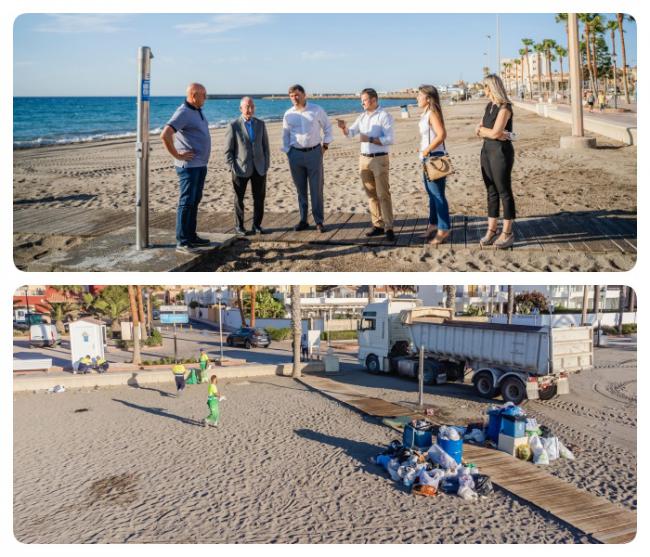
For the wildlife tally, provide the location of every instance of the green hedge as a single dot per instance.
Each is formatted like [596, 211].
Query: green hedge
[629, 328]
[169, 360]
[282, 333]
[339, 335]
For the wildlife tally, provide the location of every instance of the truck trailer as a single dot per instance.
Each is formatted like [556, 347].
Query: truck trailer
[517, 361]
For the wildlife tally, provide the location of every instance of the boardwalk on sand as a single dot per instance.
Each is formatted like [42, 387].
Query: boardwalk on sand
[590, 232]
[597, 517]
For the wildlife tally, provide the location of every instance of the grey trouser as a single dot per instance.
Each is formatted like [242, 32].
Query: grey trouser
[307, 167]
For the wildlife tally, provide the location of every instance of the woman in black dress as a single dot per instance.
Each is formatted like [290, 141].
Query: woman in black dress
[497, 158]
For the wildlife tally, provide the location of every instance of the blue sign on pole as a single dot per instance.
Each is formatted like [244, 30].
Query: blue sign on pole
[170, 318]
[146, 89]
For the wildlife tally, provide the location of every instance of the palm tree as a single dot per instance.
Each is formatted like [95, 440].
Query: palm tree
[511, 303]
[561, 53]
[539, 48]
[113, 303]
[587, 19]
[450, 296]
[620, 18]
[141, 317]
[506, 72]
[59, 311]
[253, 293]
[528, 43]
[517, 63]
[549, 45]
[136, 325]
[585, 304]
[563, 18]
[524, 59]
[296, 325]
[622, 297]
[597, 30]
[240, 304]
[612, 26]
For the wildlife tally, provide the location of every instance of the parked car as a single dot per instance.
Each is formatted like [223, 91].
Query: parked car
[247, 337]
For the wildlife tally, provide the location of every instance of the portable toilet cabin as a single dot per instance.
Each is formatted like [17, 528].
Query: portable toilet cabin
[87, 336]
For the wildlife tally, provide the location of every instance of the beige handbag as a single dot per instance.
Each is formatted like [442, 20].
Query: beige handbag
[437, 167]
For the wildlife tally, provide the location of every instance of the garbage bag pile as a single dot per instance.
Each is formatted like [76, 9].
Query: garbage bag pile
[536, 442]
[433, 471]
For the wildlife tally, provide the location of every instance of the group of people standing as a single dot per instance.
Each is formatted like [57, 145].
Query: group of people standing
[306, 135]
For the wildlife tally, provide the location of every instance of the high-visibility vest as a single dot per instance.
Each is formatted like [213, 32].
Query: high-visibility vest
[86, 360]
[204, 357]
[178, 369]
[100, 361]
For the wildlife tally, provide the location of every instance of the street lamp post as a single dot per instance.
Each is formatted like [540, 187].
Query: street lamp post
[488, 54]
[220, 333]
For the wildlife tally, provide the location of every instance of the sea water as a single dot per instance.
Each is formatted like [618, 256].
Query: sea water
[59, 120]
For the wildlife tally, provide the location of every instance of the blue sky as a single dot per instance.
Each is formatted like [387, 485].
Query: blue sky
[95, 54]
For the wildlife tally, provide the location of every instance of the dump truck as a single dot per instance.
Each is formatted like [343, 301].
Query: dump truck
[516, 361]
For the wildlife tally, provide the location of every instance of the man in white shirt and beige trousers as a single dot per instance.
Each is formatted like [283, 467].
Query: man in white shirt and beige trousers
[375, 130]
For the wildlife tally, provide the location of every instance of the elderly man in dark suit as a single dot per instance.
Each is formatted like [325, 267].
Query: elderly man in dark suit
[248, 156]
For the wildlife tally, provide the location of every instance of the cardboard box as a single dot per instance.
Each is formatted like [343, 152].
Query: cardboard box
[509, 444]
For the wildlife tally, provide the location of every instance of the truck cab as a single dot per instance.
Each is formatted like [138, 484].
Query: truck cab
[381, 332]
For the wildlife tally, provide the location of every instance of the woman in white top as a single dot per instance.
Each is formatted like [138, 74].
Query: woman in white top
[432, 143]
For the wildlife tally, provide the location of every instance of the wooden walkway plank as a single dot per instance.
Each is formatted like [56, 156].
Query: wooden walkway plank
[595, 516]
[618, 233]
[284, 230]
[552, 234]
[457, 237]
[525, 237]
[351, 229]
[598, 238]
[474, 231]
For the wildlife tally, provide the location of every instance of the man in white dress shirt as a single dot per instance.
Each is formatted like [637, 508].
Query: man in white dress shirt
[375, 130]
[302, 127]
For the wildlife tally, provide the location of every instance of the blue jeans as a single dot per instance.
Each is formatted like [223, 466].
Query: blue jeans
[438, 206]
[191, 181]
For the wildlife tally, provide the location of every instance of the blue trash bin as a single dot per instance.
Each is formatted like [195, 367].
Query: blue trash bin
[494, 425]
[453, 448]
[414, 438]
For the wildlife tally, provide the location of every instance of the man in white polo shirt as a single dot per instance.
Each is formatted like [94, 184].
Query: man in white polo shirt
[375, 130]
[302, 127]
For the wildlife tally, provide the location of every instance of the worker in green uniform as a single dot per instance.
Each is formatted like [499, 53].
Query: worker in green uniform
[204, 360]
[179, 376]
[213, 403]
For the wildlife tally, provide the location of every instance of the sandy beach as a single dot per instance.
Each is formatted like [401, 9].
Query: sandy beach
[287, 464]
[546, 181]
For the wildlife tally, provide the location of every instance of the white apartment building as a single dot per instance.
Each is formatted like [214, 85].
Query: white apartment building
[564, 296]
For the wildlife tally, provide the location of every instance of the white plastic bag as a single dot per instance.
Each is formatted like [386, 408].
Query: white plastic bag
[438, 456]
[467, 493]
[564, 452]
[552, 448]
[393, 467]
[476, 436]
[539, 453]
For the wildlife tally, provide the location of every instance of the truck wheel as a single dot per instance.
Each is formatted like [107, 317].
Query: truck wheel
[372, 363]
[229, 341]
[247, 344]
[484, 384]
[513, 390]
[548, 393]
